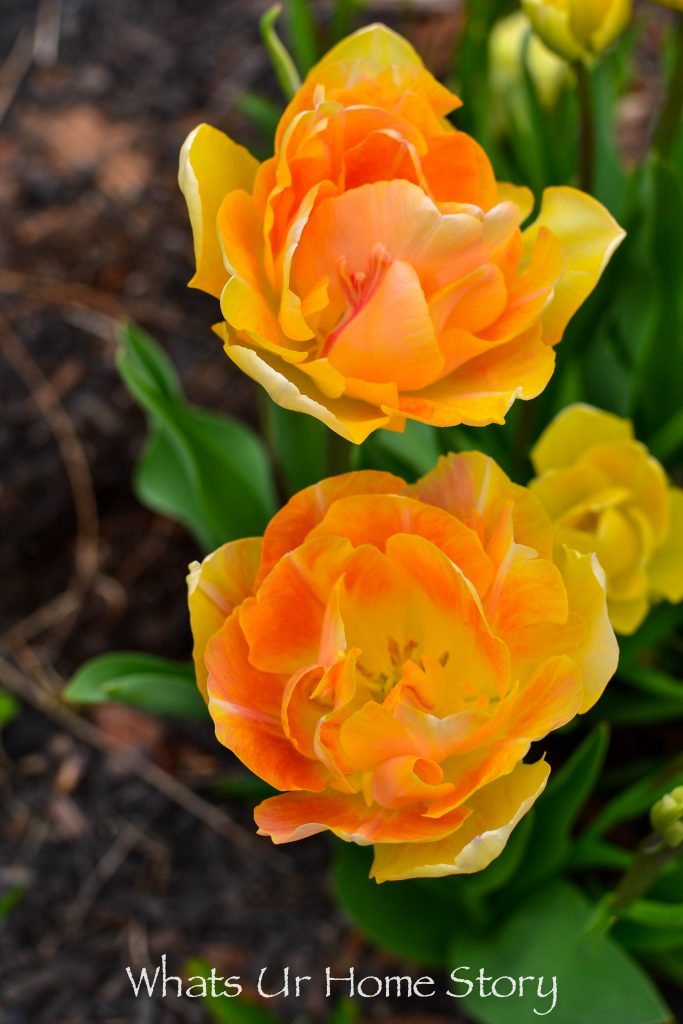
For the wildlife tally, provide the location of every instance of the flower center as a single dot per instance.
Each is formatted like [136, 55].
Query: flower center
[358, 287]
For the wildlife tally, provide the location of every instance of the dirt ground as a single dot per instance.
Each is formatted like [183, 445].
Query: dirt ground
[111, 833]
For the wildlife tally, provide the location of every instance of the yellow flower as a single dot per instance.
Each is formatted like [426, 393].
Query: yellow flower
[507, 55]
[374, 270]
[606, 494]
[578, 29]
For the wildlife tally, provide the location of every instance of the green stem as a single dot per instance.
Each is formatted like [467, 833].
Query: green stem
[586, 127]
[670, 120]
[339, 454]
[651, 858]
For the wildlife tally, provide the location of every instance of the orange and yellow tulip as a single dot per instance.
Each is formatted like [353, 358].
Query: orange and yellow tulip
[606, 494]
[373, 270]
[386, 655]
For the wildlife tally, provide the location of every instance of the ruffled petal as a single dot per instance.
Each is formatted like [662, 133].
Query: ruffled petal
[481, 838]
[211, 166]
[215, 588]
[589, 235]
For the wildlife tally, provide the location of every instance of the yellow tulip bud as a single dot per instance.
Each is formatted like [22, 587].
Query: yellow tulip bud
[578, 29]
[512, 41]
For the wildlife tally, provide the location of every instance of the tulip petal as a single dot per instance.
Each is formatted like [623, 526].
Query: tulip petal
[496, 809]
[253, 731]
[292, 389]
[457, 169]
[390, 338]
[215, 588]
[294, 522]
[375, 519]
[666, 570]
[211, 166]
[474, 488]
[284, 622]
[590, 235]
[293, 816]
[573, 431]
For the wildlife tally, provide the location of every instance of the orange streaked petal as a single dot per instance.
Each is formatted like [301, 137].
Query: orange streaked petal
[293, 816]
[480, 839]
[254, 733]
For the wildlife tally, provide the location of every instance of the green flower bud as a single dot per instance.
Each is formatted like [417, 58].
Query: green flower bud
[667, 817]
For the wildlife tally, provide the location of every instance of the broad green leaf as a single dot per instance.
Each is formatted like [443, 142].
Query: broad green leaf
[410, 454]
[209, 472]
[223, 1008]
[557, 809]
[402, 917]
[298, 444]
[596, 980]
[143, 680]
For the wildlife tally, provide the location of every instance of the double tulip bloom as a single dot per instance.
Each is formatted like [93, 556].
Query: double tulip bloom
[373, 270]
[606, 493]
[386, 655]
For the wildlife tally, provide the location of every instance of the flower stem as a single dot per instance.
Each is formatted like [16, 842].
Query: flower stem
[670, 120]
[586, 127]
[650, 859]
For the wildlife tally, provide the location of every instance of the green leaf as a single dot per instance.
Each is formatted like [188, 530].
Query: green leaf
[243, 786]
[142, 680]
[556, 811]
[343, 16]
[410, 454]
[262, 111]
[302, 33]
[656, 915]
[404, 918]
[226, 1009]
[636, 800]
[662, 621]
[209, 472]
[299, 445]
[596, 980]
[9, 708]
[283, 65]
